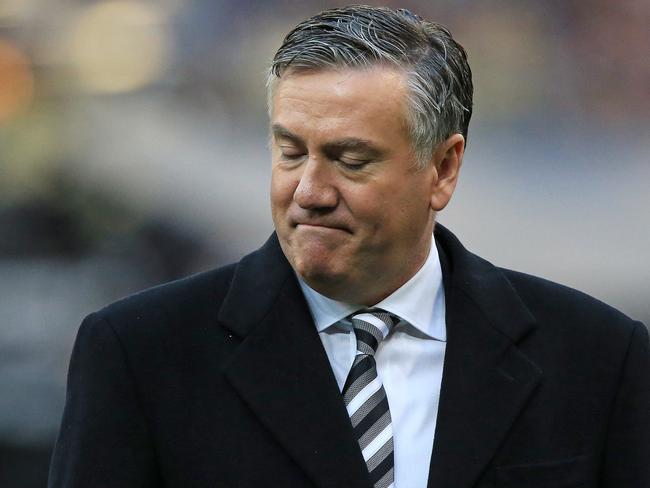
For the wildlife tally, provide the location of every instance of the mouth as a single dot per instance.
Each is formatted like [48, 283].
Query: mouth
[321, 226]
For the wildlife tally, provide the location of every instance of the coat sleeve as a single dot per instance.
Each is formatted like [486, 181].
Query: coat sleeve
[104, 440]
[627, 453]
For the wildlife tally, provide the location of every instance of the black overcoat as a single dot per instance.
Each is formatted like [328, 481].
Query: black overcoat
[221, 380]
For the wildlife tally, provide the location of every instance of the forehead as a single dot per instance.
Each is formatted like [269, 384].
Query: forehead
[358, 102]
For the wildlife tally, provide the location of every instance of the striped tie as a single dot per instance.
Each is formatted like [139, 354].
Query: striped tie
[365, 397]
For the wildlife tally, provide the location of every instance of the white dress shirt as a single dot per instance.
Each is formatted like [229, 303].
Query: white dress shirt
[409, 361]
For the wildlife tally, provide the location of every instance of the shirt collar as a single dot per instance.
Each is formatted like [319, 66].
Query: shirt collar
[420, 301]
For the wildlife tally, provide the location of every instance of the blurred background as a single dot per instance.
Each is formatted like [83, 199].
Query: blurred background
[133, 151]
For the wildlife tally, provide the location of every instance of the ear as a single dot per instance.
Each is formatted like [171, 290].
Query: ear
[447, 160]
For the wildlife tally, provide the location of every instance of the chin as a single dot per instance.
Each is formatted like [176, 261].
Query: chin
[319, 264]
[319, 274]
[315, 270]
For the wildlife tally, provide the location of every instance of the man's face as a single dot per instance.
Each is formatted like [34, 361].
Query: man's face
[352, 212]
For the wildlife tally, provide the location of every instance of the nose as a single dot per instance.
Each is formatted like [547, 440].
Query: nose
[316, 189]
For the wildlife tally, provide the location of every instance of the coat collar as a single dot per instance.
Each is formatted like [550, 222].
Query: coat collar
[281, 370]
[486, 380]
[256, 284]
[484, 284]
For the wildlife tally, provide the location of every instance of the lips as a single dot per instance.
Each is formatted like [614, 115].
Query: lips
[321, 224]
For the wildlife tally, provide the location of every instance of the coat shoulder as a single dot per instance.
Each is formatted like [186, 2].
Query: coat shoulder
[191, 300]
[553, 303]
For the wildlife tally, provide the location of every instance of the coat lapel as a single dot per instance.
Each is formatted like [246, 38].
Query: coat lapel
[486, 379]
[282, 372]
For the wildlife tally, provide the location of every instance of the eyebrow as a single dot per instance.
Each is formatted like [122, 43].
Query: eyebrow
[281, 131]
[339, 145]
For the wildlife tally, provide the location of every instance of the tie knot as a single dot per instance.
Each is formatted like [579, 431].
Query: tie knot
[371, 327]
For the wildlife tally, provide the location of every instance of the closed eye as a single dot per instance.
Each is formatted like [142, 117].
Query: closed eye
[291, 153]
[354, 164]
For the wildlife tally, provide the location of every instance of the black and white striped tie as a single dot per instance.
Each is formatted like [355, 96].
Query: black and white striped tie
[365, 397]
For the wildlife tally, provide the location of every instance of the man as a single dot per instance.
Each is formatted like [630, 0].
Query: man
[359, 346]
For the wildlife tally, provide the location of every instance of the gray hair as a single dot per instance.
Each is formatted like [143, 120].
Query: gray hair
[438, 76]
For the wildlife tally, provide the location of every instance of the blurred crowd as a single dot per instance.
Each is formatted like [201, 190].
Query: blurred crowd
[133, 151]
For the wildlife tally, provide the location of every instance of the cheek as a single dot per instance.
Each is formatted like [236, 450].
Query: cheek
[282, 190]
[408, 214]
